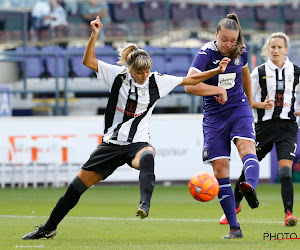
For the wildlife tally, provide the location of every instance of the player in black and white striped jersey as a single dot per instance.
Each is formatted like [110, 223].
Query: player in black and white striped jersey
[134, 93]
[274, 87]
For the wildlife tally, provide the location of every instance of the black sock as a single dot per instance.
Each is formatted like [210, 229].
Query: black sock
[65, 204]
[147, 177]
[237, 195]
[287, 188]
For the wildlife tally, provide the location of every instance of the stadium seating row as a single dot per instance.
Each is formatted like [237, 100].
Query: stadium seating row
[143, 20]
[42, 62]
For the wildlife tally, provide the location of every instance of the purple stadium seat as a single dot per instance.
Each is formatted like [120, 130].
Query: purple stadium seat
[128, 14]
[107, 54]
[75, 59]
[294, 54]
[270, 18]
[210, 15]
[155, 9]
[291, 12]
[35, 67]
[50, 60]
[292, 18]
[193, 51]
[155, 14]
[125, 11]
[158, 57]
[265, 13]
[246, 15]
[178, 61]
[184, 15]
[115, 31]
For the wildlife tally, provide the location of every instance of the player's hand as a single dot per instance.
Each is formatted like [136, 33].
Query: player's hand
[297, 113]
[268, 104]
[223, 64]
[222, 98]
[96, 25]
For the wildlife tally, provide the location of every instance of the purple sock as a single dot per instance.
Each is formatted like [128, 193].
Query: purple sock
[251, 169]
[226, 199]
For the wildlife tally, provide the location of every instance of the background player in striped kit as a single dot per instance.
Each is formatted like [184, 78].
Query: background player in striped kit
[232, 121]
[274, 86]
[134, 93]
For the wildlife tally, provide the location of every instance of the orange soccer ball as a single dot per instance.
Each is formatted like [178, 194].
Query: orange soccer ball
[204, 187]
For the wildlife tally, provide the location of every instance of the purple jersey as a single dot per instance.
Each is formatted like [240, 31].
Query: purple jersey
[209, 57]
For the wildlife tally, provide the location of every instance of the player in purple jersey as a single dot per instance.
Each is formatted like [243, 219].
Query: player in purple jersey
[274, 87]
[134, 91]
[232, 121]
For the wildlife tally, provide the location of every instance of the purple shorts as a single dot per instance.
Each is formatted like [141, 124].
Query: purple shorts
[219, 130]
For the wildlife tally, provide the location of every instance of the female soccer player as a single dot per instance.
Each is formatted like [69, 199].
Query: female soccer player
[274, 86]
[134, 93]
[232, 121]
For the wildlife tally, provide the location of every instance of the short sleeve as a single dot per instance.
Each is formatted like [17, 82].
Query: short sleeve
[108, 72]
[200, 61]
[254, 82]
[166, 83]
[244, 57]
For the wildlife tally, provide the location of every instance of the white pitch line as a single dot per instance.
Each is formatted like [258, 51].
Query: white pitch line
[134, 219]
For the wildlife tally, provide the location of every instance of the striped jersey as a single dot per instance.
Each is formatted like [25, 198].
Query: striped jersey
[130, 105]
[209, 57]
[280, 84]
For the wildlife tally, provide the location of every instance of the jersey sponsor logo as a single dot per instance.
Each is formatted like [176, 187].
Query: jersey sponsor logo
[216, 61]
[128, 112]
[279, 101]
[226, 81]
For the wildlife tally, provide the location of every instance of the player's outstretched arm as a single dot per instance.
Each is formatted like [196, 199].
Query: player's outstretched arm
[203, 89]
[201, 77]
[89, 58]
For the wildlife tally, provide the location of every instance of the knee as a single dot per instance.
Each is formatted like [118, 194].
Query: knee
[147, 160]
[285, 172]
[245, 147]
[221, 171]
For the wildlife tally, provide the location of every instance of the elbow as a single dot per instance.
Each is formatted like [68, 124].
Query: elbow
[85, 61]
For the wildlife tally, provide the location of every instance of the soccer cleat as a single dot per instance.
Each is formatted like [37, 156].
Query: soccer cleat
[290, 220]
[39, 233]
[249, 192]
[223, 219]
[143, 209]
[235, 233]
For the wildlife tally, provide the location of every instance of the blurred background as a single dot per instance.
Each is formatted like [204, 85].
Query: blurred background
[42, 44]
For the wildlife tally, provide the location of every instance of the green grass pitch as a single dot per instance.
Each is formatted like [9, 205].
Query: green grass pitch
[105, 219]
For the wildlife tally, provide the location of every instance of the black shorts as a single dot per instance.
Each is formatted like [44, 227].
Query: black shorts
[281, 132]
[107, 157]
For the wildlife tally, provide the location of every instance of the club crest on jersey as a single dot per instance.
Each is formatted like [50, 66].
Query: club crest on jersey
[205, 153]
[237, 61]
[123, 81]
[142, 91]
[290, 78]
